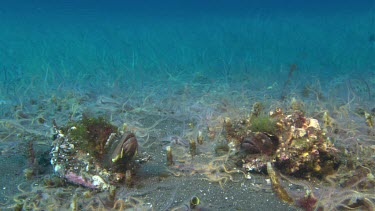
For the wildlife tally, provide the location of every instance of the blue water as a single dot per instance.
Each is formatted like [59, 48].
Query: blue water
[172, 53]
[324, 39]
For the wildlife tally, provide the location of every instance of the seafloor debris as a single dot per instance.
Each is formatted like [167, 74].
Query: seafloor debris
[276, 186]
[369, 121]
[295, 144]
[169, 156]
[93, 153]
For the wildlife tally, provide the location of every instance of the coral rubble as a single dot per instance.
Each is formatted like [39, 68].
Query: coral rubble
[92, 153]
[295, 144]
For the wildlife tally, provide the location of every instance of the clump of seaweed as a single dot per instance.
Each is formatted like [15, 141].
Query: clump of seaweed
[92, 133]
[263, 123]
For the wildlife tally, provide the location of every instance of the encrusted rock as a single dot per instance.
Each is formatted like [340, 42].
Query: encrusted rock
[292, 142]
[89, 152]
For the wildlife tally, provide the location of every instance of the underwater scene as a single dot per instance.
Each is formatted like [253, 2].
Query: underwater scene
[187, 105]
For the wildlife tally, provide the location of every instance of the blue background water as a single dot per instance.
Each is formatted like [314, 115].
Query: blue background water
[179, 61]
[49, 45]
[188, 5]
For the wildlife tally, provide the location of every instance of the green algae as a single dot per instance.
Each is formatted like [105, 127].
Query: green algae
[91, 133]
[263, 123]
